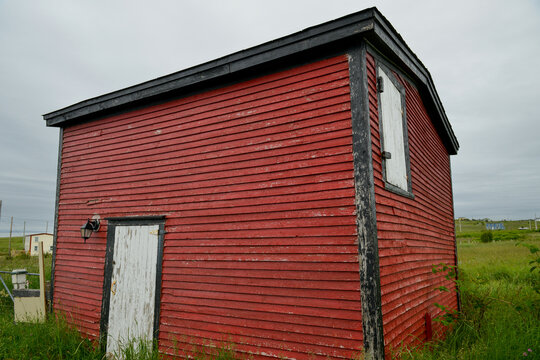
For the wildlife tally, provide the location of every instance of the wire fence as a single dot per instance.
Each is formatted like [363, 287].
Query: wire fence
[30, 264]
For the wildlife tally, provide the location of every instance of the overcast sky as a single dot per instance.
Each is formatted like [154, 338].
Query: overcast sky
[483, 57]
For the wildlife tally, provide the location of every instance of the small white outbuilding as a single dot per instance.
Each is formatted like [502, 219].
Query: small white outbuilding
[31, 243]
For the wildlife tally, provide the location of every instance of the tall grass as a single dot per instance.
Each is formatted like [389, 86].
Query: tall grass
[17, 243]
[55, 339]
[52, 339]
[500, 316]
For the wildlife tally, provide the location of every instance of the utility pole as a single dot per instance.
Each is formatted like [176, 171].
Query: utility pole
[535, 222]
[24, 230]
[47, 228]
[10, 229]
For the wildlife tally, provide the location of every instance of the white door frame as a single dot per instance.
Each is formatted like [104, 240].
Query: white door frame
[112, 223]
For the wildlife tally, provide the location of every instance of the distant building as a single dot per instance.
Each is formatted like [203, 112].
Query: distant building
[31, 243]
[495, 226]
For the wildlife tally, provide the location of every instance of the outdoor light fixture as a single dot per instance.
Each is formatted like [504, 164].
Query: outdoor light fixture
[92, 225]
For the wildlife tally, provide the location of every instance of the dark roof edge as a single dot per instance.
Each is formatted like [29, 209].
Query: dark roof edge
[369, 23]
[303, 40]
[386, 32]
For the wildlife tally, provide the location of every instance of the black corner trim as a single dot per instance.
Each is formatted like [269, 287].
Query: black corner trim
[458, 290]
[159, 276]
[106, 296]
[366, 219]
[56, 205]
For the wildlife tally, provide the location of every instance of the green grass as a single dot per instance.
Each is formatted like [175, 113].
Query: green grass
[17, 243]
[54, 339]
[23, 261]
[500, 310]
[49, 340]
[479, 225]
[471, 230]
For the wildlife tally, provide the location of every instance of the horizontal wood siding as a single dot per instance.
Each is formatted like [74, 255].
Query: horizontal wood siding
[256, 182]
[414, 234]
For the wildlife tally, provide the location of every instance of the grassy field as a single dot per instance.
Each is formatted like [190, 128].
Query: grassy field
[17, 243]
[30, 263]
[500, 316]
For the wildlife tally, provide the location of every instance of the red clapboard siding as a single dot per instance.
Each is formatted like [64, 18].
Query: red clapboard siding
[414, 234]
[256, 182]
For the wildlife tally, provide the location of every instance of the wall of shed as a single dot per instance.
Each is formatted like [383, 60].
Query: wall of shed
[414, 234]
[256, 182]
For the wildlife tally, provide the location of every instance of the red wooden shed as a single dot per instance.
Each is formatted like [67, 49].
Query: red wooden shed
[289, 199]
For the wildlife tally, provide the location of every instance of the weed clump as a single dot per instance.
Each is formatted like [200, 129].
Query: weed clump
[23, 256]
[486, 236]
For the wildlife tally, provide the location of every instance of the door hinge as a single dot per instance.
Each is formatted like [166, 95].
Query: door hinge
[380, 84]
[154, 232]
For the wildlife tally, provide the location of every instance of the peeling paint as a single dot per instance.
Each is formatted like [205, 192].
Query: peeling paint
[132, 300]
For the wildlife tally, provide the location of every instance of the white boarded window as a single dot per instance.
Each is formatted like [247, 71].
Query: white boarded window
[392, 118]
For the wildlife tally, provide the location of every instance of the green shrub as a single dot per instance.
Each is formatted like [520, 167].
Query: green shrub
[508, 235]
[486, 236]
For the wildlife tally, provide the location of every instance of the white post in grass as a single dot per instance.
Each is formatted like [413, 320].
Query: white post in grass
[42, 302]
[10, 229]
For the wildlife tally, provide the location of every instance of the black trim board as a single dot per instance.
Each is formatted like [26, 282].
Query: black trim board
[109, 257]
[56, 205]
[137, 220]
[369, 23]
[385, 31]
[307, 39]
[29, 293]
[389, 44]
[366, 218]
[458, 291]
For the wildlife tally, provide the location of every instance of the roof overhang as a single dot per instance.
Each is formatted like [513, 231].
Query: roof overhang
[369, 25]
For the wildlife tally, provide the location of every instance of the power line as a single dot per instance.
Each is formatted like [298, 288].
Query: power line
[6, 219]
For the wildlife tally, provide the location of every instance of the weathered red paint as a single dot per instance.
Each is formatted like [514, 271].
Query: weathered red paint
[256, 182]
[414, 234]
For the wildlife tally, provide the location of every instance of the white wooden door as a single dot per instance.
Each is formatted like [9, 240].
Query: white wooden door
[133, 286]
[393, 134]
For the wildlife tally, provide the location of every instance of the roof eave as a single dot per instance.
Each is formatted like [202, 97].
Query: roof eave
[369, 24]
[326, 33]
[385, 32]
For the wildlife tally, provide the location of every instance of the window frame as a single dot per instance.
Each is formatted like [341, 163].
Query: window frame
[389, 72]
